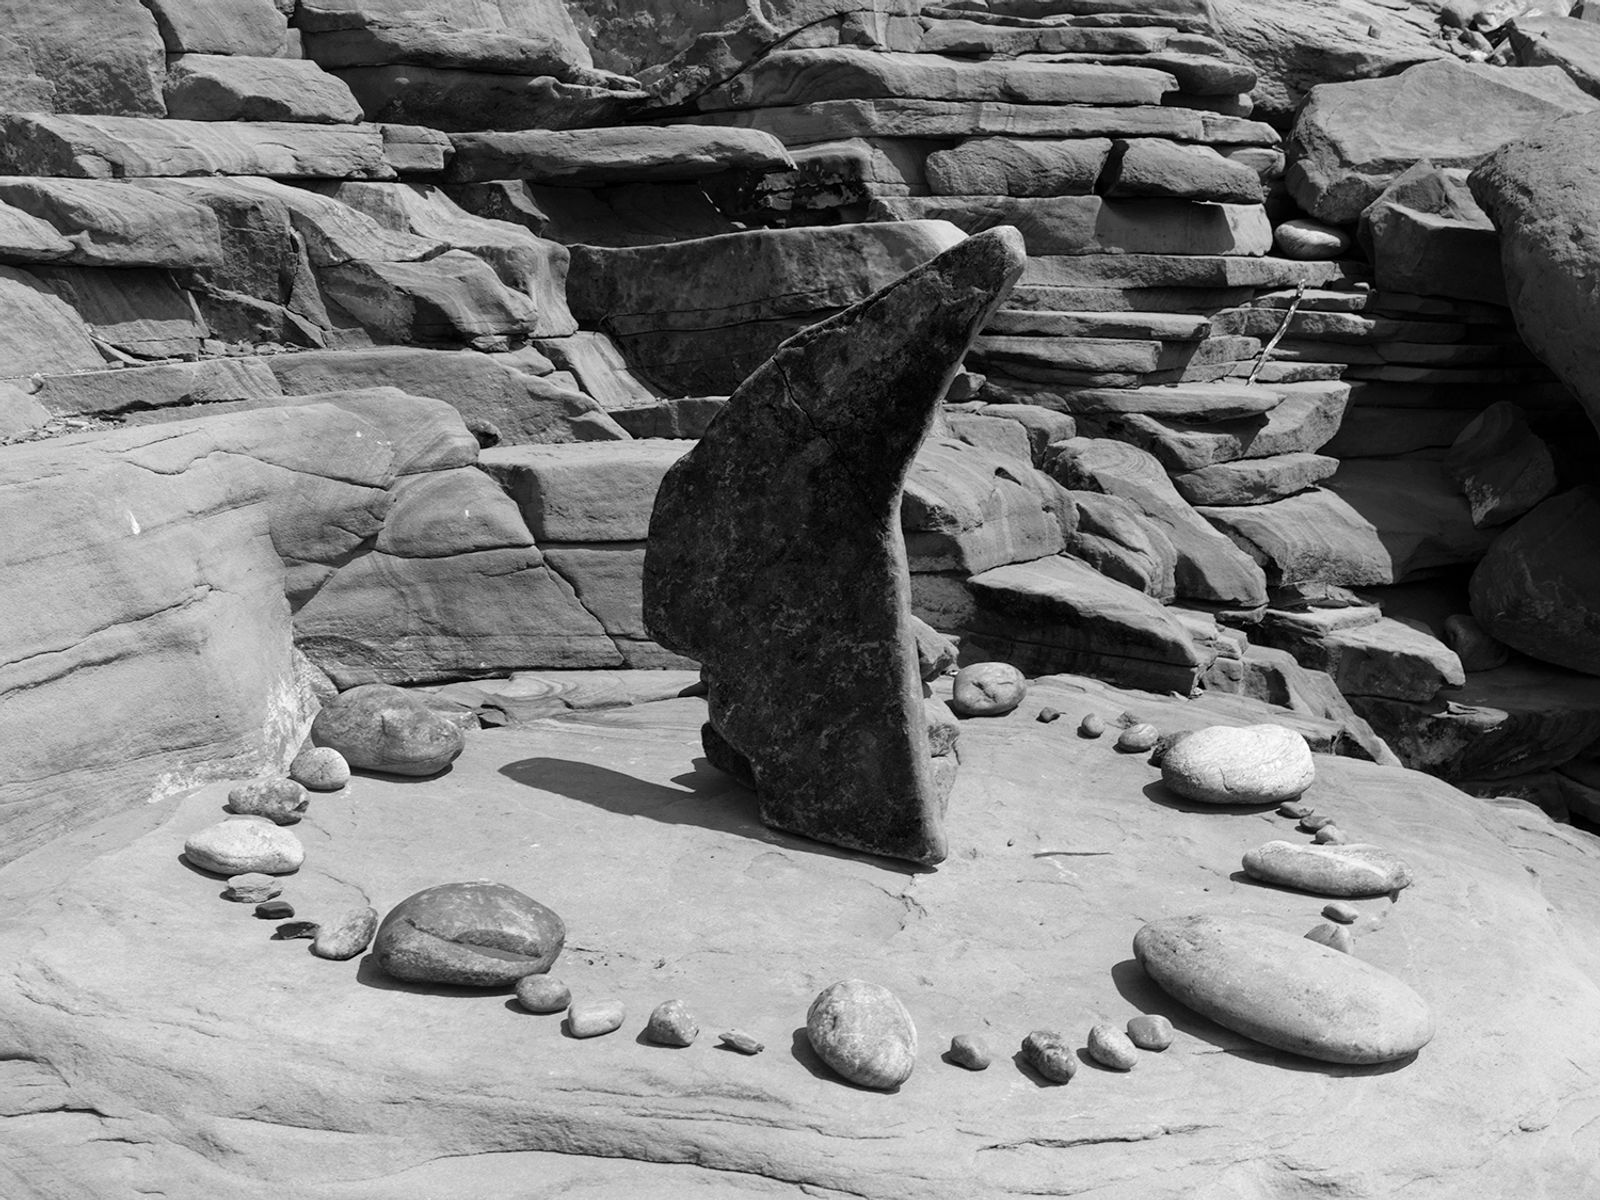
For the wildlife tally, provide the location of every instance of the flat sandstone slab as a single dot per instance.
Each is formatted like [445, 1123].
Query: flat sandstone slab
[325, 1082]
[596, 157]
[96, 147]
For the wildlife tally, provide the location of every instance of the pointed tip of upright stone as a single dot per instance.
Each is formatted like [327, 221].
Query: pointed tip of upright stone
[776, 559]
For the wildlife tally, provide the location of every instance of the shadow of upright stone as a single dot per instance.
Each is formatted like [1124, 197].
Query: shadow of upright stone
[776, 559]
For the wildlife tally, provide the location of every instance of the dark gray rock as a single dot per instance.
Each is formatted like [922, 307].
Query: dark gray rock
[478, 934]
[776, 559]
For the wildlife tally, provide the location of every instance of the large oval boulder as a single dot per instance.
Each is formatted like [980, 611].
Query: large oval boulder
[1542, 192]
[479, 934]
[1355, 869]
[1538, 588]
[1284, 991]
[864, 1033]
[379, 727]
[1256, 764]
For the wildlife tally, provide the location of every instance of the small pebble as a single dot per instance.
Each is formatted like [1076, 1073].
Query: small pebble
[346, 936]
[970, 1051]
[281, 801]
[543, 994]
[320, 768]
[1329, 835]
[1338, 910]
[291, 930]
[1150, 1032]
[672, 1024]
[275, 910]
[252, 888]
[738, 1040]
[1049, 1055]
[1336, 937]
[1314, 822]
[1295, 812]
[1110, 1047]
[1046, 715]
[1092, 726]
[591, 1018]
[1138, 738]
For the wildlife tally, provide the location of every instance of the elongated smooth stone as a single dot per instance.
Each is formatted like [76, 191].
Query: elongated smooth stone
[1284, 991]
[1352, 869]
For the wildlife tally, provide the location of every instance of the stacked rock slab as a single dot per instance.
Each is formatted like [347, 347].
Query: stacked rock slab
[776, 559]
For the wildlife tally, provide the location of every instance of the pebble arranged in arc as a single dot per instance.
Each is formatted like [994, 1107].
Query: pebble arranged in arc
[281, 801]
[479, 934]
[594, 1018]
[1253, 764]
[864, 1033]
[672, 1024]
[989, 689]
[1345, 871]
[1138, 738]
[1284, 991]
[970, 1051]
[346, 936]
[245, 845]
[1047, 1052]
[543, 994]
[1111, 1047]
[1150, 1031]
[320, 769]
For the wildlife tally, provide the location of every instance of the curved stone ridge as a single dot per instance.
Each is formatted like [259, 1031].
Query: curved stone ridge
[1257, 764]
[776, 558]
[1284, 991]
[1356, 869]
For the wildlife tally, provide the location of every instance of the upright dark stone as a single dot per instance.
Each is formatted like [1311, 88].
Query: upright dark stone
[775, 558]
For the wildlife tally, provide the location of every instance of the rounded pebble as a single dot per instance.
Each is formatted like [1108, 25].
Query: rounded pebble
[1295, 812]
[1329, 835]
[1138, 738]
[281, 801]
[1338, 910]
[1343, 872]
[1093, 725]
[1048, 1053]
[970, 1051]
[1314, 822]
[245, 845]
[480, 934]
[1150, 1032]
[543, 994]
[989, 689]
[294, 930]
[252, 888]
[737, 1039]
[1310, 241]
[672, 1024]
[864, 1033]
[346, 935]
[320, 768]
[1047, 715]
[1110, 1047]
[1253, 764]
[592, 1018]
[274, 910]
[1335, 937]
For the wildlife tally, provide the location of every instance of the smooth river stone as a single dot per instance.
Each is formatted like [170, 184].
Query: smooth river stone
[379, 727]
[346, 936]
[320, 768]
[1352, 870]
[281, 801]
[1256, 764]
[864, 1033]
[479, 934]
[989, 689]
[775, 558]
[245, 845]
[1284, 991]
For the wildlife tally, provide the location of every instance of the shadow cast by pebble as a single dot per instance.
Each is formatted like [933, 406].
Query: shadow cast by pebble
[1031, 1073]
[370, 974]
[800, 1050]
[1159, 793]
